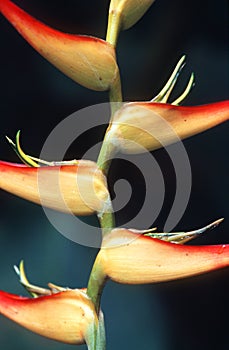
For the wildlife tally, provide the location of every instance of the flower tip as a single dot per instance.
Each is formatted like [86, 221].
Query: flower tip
[9, 140]
[217, 222]
[208, 227]
[16, 269]
[181, 63]
[20, 269]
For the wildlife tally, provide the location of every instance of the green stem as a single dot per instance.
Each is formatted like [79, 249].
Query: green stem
[96, 337]
[97, 277]
[116, 90]
[105, 155]
[113, 27]
[101, 334]
[108, 149]
[107, 222]
[96, 283]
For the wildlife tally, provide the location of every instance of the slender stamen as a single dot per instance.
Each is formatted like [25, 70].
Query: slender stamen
[20, 153]
[33, 290]
[56, 289]
[27, 160]
[36, 291]
[190, 85]
[144, 232]
[171, 82]
[183, 237]
[33, 161]
[168, 93]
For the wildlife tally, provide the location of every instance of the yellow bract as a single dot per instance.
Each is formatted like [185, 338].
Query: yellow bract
[130, 11]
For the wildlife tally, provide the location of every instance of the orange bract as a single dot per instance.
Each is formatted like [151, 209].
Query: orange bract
[80, 189]
[65, 316]
[132, 258]
[141, 126]
[87, 60]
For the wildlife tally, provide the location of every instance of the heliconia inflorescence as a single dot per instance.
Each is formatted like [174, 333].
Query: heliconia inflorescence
[79, 187]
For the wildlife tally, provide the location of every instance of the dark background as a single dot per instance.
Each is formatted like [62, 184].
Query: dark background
[181, 315]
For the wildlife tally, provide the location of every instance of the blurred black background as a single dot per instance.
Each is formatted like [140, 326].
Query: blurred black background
[181, 315]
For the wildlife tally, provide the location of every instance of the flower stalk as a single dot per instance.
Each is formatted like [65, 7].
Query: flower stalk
[96, 283]
[79, 187]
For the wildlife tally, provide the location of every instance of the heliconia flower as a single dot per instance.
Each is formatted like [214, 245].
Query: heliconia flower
[80, 189]
[123, 14]
[141, 126]
[145, 126]
[67, 316]
[130, 257]
[87, 60]
[34, 290]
